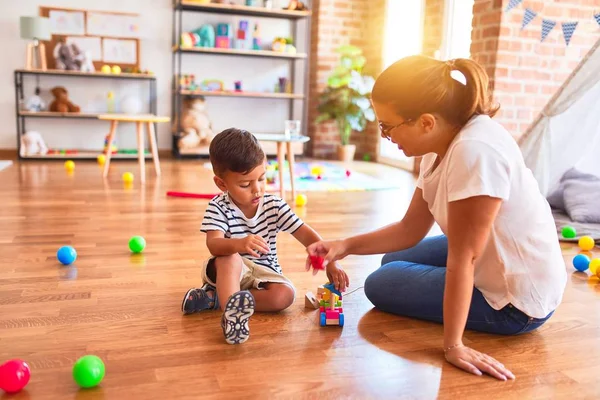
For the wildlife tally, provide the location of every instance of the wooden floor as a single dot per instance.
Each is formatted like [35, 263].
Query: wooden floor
[126, 308]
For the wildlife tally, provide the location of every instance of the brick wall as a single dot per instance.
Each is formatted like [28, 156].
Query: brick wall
[433, 27]
[338, 22]
[525, 72]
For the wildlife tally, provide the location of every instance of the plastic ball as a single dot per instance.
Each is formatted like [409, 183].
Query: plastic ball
[568, 232]
[127, 177]
[316, 170]
[348, 173]
[106, 69]
[14, 376]
[88, 371]
[301, 200]
[66, 255]
[581, 262]
[137, 244]
[116, 69]
[594, 264]
[69, 165]
[586, 243]
[101, 159]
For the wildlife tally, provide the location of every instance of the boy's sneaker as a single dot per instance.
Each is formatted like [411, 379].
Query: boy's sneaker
[196, 300]
[234, 320]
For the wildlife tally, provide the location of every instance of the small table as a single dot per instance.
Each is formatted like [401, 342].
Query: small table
[139, 119]
[281, 140]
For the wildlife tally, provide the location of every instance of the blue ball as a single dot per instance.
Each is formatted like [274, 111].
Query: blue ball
[581, 262]
[67, 255]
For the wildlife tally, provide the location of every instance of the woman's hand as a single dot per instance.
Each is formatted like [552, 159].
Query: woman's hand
[475, 362]
[337, 276]
[330, 250]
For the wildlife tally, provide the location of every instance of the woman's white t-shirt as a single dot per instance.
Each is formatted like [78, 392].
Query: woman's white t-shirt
[522, 262]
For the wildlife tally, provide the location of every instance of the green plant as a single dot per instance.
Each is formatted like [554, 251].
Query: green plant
[346, 98]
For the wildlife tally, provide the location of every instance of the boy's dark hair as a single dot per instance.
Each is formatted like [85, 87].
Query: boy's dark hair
[235, 150]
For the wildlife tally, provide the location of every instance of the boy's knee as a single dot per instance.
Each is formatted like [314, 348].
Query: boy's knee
[282, 298]
[232, 261]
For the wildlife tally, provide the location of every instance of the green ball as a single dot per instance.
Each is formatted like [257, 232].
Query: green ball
[88, 371]
[137, 244]
[569, 232]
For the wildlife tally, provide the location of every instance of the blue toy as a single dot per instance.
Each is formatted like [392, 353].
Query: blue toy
[207, 36]
[66, 255]
[581, 262]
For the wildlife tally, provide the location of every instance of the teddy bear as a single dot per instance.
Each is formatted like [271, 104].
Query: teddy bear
[32, 143]
[61, 101]
[196, 129]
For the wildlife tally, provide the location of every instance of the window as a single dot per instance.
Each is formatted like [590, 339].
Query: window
[458, 24]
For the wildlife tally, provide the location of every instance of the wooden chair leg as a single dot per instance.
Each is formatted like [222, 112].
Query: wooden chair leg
[291, 161]
[280, 161]
[141, 155]
[111, 136]
[153, 146]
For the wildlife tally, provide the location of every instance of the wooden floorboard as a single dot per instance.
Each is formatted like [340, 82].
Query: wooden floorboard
[126, 308]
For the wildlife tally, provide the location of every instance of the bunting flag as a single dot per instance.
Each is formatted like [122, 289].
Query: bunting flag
[528, 17]
[512, 4]
[597, 17]
[547, 26]
[568, 29]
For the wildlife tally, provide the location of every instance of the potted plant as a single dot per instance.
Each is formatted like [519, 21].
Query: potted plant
[346, 99]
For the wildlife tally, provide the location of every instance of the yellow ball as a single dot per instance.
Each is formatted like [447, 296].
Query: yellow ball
[316, 170]
[127, 177]
[594, 264]
[116, 69]
[301, 200]
[69, 165]
[586, 243]
[106, 69]
[101, 159]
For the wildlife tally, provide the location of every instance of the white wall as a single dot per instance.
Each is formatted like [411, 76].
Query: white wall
[256, 115]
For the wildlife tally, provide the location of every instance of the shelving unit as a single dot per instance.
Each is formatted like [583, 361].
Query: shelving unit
[22, 116]
[181, 6]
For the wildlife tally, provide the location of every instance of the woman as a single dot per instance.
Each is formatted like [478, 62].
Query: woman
[498, 267]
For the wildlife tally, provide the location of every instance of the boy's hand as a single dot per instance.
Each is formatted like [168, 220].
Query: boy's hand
[337, 276]
[252, 244]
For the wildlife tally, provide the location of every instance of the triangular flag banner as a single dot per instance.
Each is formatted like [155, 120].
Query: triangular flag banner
[528, 17]
[547, 26]
[512, 4]
[597, 17]
[568, 30]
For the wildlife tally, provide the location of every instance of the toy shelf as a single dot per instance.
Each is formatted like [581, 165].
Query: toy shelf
[259, 95]
[240, 10]
[236, 52]
[85, 155]
[22, 116]
[56, 72]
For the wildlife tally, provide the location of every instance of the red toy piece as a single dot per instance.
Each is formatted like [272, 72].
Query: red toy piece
[317, 262]
[14, 376]
[193, 195]
[348, 173]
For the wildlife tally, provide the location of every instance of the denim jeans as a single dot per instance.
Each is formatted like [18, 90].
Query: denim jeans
[411, 283]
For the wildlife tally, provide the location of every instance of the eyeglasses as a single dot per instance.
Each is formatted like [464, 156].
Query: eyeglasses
[385, 130]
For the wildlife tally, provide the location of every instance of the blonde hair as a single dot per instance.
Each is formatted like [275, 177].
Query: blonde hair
[419, 84]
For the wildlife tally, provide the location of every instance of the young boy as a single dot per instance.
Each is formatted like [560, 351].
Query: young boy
[241, 226]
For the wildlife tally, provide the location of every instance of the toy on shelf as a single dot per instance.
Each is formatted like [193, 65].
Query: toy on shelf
[207, 36]
[32, 143]
[224, 36]
[283, 85]
[61, 101]
[283, 45]
[66, 55]
[212, 85]
[110, 101]
[296, 6]
[35, 102]
[256, 38]
[113, 147]
[196, 128]
[188, 82]
[241, 38]
[238, 86]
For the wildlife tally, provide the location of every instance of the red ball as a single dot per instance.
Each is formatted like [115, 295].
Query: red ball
[319, 177]
[317, 262]
[14, 376]
[348, 173]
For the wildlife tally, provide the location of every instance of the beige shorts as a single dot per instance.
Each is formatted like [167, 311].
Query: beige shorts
[252, 276]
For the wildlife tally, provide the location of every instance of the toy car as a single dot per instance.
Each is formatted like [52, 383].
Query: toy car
[331, 311]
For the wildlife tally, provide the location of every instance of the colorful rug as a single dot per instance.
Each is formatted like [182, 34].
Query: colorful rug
[326, 177]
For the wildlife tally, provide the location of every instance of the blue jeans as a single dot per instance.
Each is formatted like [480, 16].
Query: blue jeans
[411, 283]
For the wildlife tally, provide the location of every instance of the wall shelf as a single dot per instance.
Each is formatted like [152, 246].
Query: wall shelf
[57, 72]
[50, 114]
[257, 95]
[235, 9]
[238, 52]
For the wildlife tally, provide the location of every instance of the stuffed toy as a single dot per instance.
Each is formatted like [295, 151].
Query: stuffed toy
[32, 143]
[66, 56]
[196, 129]
[85, 61]
[35, 102]
[61, 101]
